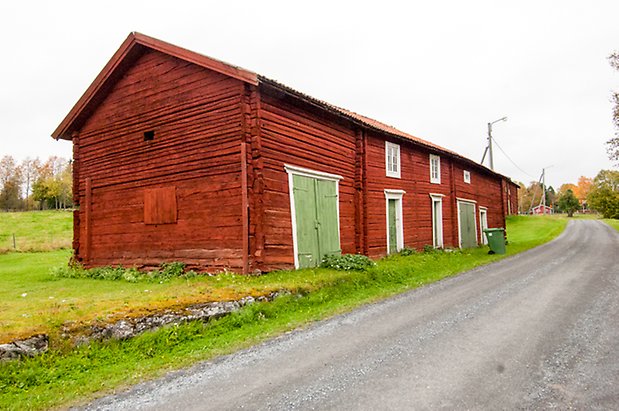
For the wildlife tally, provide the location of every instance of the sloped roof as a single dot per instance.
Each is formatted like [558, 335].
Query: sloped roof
[130, 50]
[359, 118]
[135, 45]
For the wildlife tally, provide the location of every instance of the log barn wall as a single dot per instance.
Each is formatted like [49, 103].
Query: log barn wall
[179, 157]
[299, 136]
[195, 115]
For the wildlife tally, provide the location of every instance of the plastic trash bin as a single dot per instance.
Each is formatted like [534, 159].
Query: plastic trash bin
[496, 240]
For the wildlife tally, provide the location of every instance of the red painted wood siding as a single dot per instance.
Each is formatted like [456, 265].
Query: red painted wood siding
[220, 143]
[196, 116]
[292, 135]
[484, 189]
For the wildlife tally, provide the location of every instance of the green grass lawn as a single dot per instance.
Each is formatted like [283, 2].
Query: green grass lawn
[35, 230]
[66, 375]
[613, 223]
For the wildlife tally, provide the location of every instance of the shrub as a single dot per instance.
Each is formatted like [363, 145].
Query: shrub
[165, 272]
[406, 251]
[347, 262]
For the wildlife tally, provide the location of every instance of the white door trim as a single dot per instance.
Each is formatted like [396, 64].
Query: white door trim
[306, 172]
[484, 211]
[437, 242]
[399, 223]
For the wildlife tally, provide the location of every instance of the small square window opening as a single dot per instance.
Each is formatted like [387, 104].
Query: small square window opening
[149, 135]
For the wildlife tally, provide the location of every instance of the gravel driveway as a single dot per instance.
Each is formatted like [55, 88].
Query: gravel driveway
[536, 331]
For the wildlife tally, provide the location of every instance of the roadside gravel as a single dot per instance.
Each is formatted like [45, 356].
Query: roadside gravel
[535, 331]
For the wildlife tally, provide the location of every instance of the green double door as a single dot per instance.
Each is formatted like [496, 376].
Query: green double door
[317, 224]
[468, 233]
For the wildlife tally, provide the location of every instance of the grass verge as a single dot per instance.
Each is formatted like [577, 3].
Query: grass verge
[611, 222]
[64, 377]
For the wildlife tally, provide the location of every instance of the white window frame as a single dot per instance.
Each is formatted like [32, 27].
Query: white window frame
[437, 241]
[306, 172]
[391, 172]
[433, 179]
[483, 211]
[399, 227]
[466, 175]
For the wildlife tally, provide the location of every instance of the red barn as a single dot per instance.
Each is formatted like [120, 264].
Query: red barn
[180, 157]
[541, 209]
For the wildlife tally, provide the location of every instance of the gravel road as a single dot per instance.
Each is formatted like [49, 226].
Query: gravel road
[536, 331]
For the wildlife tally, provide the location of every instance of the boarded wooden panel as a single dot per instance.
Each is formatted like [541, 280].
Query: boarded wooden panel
[160, 205]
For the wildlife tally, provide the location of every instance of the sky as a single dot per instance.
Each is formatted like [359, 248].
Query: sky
[440, 70]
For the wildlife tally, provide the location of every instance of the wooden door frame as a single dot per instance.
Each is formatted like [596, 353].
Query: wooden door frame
[320, 175]
[395, 195]
[438, 198]
[483, 210]
[474, 203]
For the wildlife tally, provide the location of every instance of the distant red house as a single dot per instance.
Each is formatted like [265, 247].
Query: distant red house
[180, 157]
[541, 209]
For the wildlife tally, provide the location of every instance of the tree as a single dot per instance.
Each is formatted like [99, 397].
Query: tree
[551, 196]
[30, 172]
[568, 203]
[565, 187]
[53, 185]
[10, 181]
[531, 196]
[583, 188]
[613, 143]
[604, 194]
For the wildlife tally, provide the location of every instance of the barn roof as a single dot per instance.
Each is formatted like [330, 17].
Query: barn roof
[131, 49]
[136, 44]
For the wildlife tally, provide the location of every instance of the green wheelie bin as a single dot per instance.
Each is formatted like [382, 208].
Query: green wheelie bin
[496, 240]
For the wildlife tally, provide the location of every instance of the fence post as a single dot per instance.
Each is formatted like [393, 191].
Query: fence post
[14, 246]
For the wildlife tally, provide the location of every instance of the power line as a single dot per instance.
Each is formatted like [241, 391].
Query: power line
[509, 158]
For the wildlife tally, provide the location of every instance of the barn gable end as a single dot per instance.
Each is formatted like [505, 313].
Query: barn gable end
[166, 124]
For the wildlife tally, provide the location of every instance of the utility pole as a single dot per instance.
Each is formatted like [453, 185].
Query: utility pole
[543, 191]
[490, 154]
[489, 146]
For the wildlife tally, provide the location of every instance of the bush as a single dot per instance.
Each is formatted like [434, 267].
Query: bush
[347, 262]
[165, 272]
[406, 251]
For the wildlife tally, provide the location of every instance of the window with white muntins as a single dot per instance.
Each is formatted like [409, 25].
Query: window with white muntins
[435, 169]
[392, 159]
[467, 177]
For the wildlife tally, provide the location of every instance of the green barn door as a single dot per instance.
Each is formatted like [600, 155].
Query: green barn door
[468, 236]
[305, 210]
[328, 223]
[392, 219]
[317, 225]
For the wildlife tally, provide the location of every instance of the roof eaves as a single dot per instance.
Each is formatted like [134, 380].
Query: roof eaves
[369, 123]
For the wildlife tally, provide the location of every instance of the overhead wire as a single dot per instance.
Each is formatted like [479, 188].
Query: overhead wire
[510, 159]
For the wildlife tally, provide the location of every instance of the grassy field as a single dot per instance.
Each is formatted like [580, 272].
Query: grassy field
[35, 230]
[64, 376]
[613, 223]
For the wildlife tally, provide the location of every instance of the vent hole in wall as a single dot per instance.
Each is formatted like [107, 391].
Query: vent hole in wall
[149, 135]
